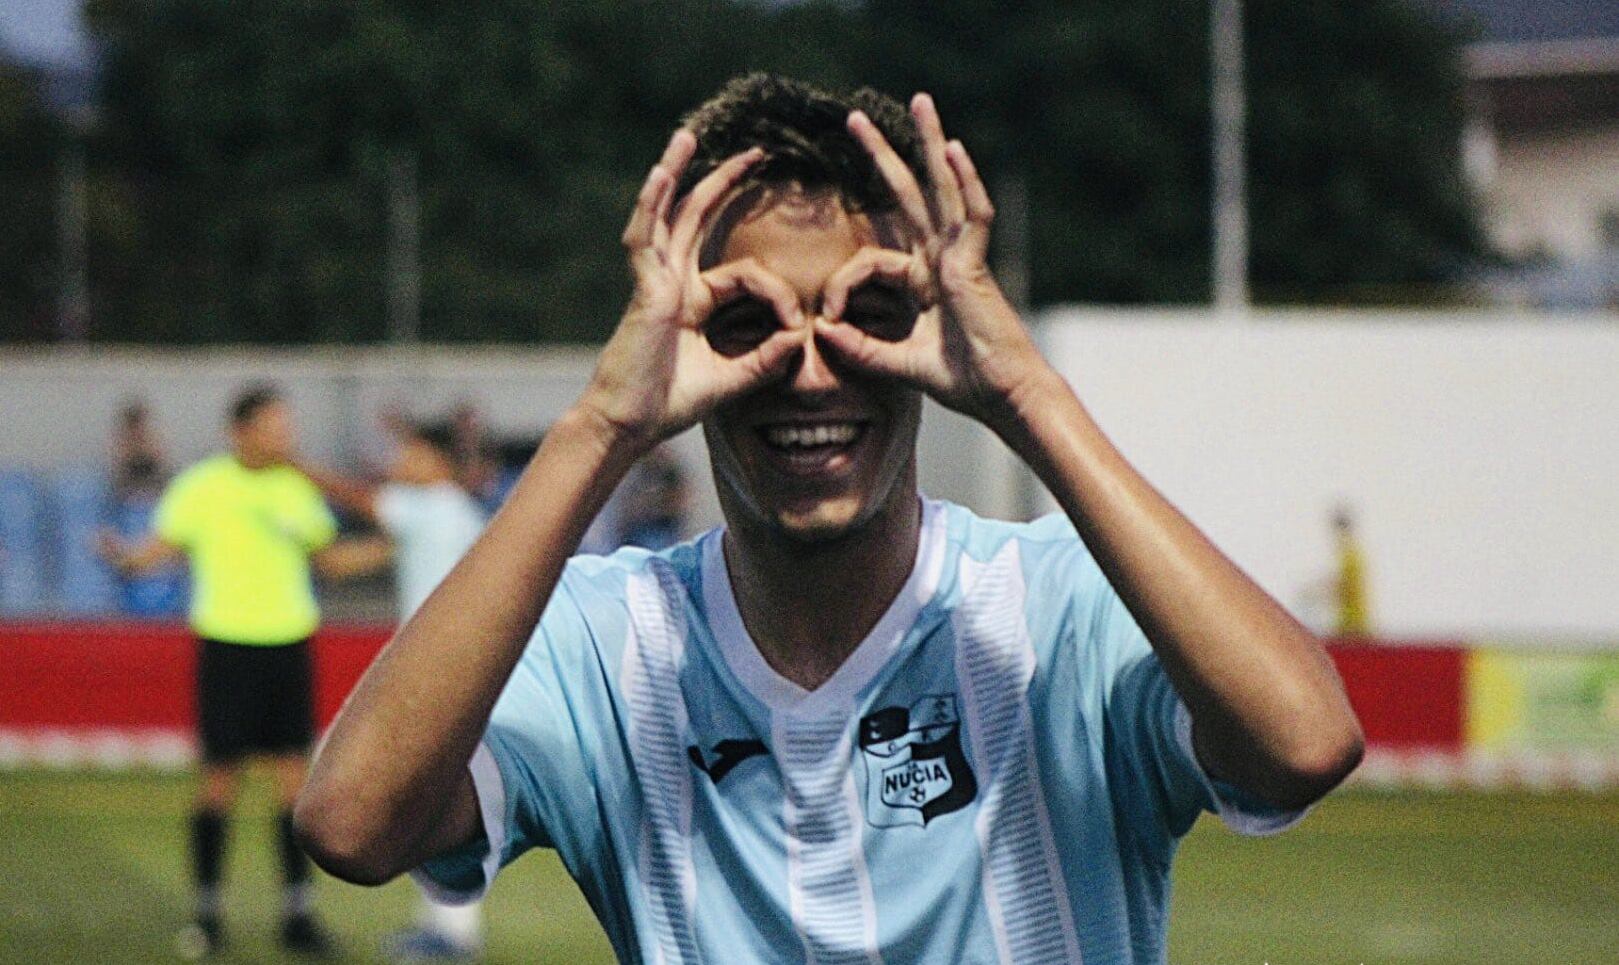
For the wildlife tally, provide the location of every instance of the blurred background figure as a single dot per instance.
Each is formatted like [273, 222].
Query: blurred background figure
[429, 521]
[250, 524]
[138, 466]
[138, 473]
[1349, 585]
[654, 501]
[477, 464]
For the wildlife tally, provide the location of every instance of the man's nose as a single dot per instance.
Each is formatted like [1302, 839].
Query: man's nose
[815, 372]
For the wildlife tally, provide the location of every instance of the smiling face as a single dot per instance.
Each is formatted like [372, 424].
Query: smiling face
[822, 451]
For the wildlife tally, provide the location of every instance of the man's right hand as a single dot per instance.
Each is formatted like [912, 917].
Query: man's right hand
[658, 374]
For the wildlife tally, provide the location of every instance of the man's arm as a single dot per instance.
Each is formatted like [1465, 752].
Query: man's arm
[389, 788]
[1268, 710]
[1269, 713]
[151, 553]
[389, 785]
[355, 495]
[353, 556]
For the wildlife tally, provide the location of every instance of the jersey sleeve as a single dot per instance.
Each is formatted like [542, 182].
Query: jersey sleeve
[177, 517]
[535, 787]
[1154, 775]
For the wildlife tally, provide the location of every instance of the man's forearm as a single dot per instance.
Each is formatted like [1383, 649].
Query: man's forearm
[151, 554]
[1269, 711]
[353, 556]
[353, 495]
[399, 749]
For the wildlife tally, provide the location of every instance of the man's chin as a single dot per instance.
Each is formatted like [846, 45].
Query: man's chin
[823, 521]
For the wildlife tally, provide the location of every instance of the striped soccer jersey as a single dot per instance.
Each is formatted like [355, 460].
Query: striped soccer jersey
[999, 773]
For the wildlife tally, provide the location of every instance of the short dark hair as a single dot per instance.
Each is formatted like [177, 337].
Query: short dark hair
[803, 130]
[250, 400]
[440, 436]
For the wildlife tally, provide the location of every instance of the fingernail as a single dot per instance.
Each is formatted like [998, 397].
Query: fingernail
[858, 117]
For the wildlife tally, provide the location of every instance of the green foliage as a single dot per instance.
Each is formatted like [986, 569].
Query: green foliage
[246, 147]
[30, 141]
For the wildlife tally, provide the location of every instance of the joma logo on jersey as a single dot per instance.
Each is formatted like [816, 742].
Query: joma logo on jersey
[915, 770]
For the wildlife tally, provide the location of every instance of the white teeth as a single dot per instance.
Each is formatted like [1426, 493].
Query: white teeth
[834, 433]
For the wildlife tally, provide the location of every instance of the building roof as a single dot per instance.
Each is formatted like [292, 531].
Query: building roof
[1530, 21]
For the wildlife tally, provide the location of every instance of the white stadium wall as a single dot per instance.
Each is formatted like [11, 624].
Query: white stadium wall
[59, 406]
[1480, 454]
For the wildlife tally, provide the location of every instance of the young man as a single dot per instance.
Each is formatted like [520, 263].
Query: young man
[250, 525]
[430, 522]
[853, 724]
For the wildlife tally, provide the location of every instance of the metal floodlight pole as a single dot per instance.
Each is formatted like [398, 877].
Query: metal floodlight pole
[1230, 194]
[72, 219]
[404, 249]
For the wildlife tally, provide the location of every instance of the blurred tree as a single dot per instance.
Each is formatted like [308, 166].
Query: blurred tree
[30, 144]
[253, 143]
[1101, 108]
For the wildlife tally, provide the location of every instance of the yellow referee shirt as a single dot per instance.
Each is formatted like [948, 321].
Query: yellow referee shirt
[249, 534]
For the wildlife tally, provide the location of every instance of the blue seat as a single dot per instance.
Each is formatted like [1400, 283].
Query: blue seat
[164, 593]
[24, 581]
[87, 585]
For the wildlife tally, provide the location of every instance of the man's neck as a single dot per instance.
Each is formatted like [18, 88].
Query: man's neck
[251, 461]
[807, 606]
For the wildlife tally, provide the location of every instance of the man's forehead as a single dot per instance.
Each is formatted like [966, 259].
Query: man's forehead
[796, 233]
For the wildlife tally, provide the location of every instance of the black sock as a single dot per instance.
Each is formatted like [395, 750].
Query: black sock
[207, 855]
[294, 863]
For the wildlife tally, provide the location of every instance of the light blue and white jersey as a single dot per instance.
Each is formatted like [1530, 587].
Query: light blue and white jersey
[999, 773]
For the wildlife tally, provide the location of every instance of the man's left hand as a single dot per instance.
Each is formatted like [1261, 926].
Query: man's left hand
[968, 348]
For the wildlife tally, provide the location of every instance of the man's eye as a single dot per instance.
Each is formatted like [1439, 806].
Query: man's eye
[888, 324]
[881, 312]
[740, 327]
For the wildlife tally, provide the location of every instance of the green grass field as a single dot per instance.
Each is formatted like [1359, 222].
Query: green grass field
[93, 871]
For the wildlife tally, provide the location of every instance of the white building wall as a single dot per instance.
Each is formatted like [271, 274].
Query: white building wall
[1481, 454]
[1547, 192]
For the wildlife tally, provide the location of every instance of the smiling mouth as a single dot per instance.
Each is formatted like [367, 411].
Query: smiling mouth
[812, 448]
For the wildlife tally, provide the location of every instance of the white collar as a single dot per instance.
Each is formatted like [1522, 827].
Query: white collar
[777, 692]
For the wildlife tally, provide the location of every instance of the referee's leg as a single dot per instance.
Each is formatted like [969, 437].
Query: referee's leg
[221, 737]
[287, 731]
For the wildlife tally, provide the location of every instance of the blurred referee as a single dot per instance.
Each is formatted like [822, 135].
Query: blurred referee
[250, 525]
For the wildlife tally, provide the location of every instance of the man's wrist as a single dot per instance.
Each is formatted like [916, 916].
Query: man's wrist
[612, 446]
[1040, 417]
[1016, 409]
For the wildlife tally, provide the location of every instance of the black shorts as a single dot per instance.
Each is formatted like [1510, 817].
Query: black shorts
[253, 699]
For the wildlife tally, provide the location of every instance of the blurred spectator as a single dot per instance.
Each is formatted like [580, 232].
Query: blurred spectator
[1353, 617]
[655, 501]
[139, 471]
[430, 522]
[478, 466]
[138, 466]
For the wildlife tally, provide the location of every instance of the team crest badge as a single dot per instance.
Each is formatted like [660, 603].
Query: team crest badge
[915, 770]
